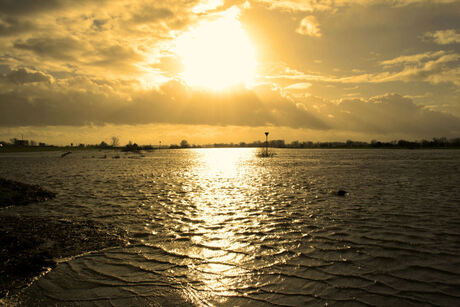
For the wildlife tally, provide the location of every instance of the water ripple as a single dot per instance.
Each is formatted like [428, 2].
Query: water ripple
[222, 227]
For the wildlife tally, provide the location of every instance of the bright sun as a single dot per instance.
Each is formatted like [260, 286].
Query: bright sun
[217, 54]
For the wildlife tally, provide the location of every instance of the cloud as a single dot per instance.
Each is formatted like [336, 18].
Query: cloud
[309, 26]
[432, 67]
[149, 15]
[25, 75]
[10, 25]
[207, 5]
[282, 71]
[12, 7]
[437, 67]
[293, 5]
[90, 56]
[28, 7]
[114, 55]
[59, 48]
[92, 37]
[330, 5]
[84, 101]
[87, 102]
[100, 24]
[298, 86]
[415, 58]
[72, 63]
[389, 114]
[443, 37]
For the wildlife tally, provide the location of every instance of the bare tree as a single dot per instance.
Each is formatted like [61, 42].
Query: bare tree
[115, 141]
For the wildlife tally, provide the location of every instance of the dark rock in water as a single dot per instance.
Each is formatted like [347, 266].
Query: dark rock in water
[341, 193]
[17, 193]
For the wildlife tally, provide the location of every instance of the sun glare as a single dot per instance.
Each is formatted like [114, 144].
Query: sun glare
[217, 54]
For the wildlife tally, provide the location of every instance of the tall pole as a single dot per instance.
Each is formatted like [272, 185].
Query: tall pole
[266, 144]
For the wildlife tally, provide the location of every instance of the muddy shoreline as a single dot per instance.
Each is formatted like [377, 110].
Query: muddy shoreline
[30, 246]
[13, 193]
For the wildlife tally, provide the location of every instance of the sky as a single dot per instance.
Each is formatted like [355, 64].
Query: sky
[227, 71]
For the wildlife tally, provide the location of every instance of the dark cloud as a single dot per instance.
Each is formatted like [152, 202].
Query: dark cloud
[175, 103]
[13, 7]
[62, 48]
[93, 53]
[391, 113]
[10, 26]
[25, 7]
[99, 24]
[24, 75]
[116, 57]
[70, 109]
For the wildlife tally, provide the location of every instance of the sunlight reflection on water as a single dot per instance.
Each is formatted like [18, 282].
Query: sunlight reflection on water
[220, 207]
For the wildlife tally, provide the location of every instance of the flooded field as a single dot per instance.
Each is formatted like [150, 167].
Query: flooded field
[225, 227]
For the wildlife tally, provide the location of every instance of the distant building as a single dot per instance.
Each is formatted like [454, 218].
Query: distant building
[21, 142]
[41, 144]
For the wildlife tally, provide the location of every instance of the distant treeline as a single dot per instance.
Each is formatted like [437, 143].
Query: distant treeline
[441, 142]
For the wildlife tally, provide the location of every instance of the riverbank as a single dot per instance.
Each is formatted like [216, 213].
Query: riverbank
[12, 149]
[31, 246]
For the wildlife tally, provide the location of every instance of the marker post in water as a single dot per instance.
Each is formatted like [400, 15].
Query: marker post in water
[266, 144]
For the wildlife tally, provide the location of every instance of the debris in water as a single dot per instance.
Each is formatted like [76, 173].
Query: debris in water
[65, 154]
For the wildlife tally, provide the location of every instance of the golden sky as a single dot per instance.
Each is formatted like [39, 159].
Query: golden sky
[226, 71]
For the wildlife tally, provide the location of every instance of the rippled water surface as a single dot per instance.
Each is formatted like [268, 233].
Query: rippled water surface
[224, 227]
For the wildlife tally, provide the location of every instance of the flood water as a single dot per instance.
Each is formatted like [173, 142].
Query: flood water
[224, 227]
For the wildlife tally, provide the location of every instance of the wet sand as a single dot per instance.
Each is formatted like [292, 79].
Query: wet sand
[30, 246]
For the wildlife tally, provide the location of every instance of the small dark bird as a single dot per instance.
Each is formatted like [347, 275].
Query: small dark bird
[341, 193]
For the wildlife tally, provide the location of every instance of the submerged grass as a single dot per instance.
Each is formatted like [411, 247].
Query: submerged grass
[264, 153]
